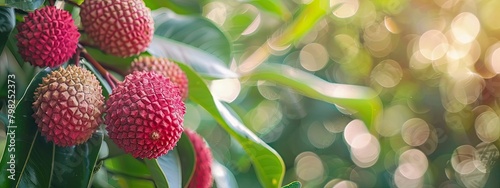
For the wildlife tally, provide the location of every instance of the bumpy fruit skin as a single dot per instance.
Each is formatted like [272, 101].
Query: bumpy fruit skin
[48, 37]
[145, 115]
[164, 67]
[202, 176]
[68, 106]
[118, 27]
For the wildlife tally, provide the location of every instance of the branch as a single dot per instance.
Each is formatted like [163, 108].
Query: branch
[110, 78]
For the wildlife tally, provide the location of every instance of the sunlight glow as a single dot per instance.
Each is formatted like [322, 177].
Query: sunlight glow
[347, 8]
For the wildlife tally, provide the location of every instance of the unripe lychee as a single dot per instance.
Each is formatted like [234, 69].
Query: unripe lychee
[68, 105]
[118, 27]
[202, 176]
[48, 37]
[145, 115]
[164, 67]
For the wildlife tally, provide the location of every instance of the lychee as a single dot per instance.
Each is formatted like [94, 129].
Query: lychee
[164, 67]
[48, 37]
[118, 27]
[145, 114]
[68, 105]
[202, 176]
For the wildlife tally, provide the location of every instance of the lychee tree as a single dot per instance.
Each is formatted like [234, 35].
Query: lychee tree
[94, 92]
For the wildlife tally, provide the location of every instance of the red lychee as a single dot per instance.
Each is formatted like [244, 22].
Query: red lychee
[68, 106]
[202, 176]
[145, 115]
[48, 37]
[118, 27]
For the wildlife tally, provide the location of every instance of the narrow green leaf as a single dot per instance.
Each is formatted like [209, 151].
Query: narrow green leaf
[268, 164]
[294, 184]
[187, 158]
[178, 6]
[223, 177]
[195, 31]
[304, 22]
[203, 62]
[23, 134]
[362, 101]
[7, 24]
[273, 6]
[166, 170]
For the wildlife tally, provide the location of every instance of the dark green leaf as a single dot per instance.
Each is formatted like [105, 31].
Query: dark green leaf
[294, 184]
[74, 166]
[187, 157]
[204, 63]
[362, 101]
[28, 145]
[179, 6]
[195, 31]
[268, 164]
[7, 23]
[223, 177]
[166, 170]
[22, 4]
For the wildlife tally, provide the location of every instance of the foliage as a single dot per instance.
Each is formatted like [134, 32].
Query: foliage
[311, 93]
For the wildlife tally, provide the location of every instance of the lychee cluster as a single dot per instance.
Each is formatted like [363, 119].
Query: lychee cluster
[68, 105]
[202, 176]
[118, 27]
[164, 67]
[48, 37]
[144, 115]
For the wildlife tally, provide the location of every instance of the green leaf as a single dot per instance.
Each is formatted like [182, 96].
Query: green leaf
[7, 23]
[31, 161]
[195, 31]
[27, 146]
[294, 184]
[304, 22]
[179, 6]
[273, 6]
[187, 158]
[22, 4]
[74, 166]
[223, 177]
[166, 170]
[204, 63]
[268, 164]
[122, 165]
[363, 101]
[121, 64]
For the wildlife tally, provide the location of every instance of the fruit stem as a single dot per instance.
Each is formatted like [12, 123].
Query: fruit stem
[77, 56]
[72, 3]
[110, 78]
[87, 44]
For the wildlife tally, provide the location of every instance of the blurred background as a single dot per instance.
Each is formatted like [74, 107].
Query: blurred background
[433, 63]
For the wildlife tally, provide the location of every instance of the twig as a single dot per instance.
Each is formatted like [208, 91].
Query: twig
[110, 78]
